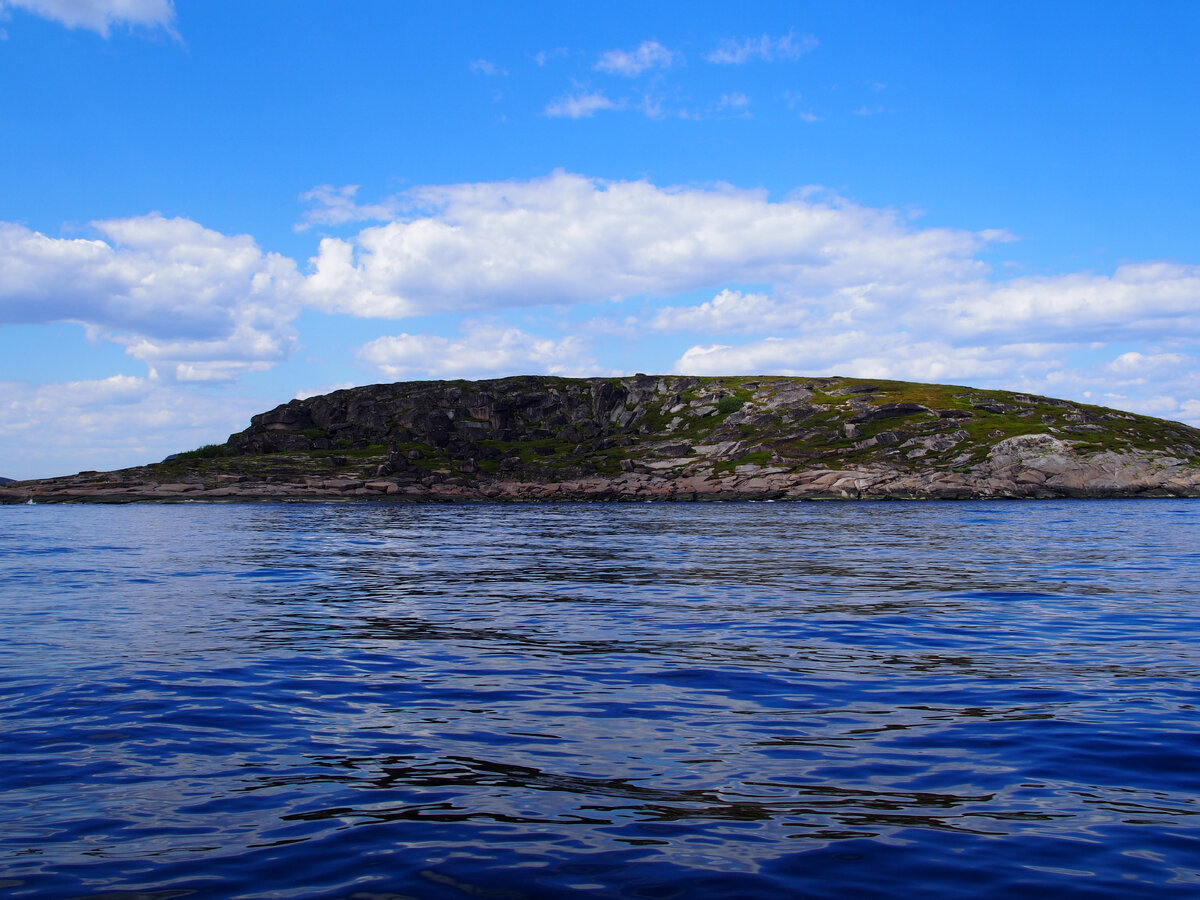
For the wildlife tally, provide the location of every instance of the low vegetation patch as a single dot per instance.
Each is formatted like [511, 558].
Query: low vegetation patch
[208, 451]
[729, 404]
[757, 458]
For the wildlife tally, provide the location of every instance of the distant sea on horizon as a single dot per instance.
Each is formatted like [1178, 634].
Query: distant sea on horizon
[750, 700]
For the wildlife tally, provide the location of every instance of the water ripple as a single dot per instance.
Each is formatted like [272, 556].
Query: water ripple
[646, 701]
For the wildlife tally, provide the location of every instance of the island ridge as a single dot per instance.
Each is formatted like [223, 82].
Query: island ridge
[665, 437]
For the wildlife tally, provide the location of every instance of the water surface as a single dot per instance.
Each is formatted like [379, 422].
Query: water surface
[644, 700]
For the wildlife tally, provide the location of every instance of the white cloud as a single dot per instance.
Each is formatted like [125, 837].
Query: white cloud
[101, 15]
[487, 67]
[544, 56]
[731, 311]
[336, 206]
[484, 350]
[305, 393]
[1048, 368]
[734, 103]
[1168, 398]
[652, 107]
[631, 63]
[806, 284]
[568, 239]
[793, 100]
[120, 421]
[1141, 364]
[580, 106]
[192, 303]
[1143, 299]
[736, 51]
[866, 355]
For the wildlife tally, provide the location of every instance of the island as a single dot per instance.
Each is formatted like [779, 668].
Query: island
[664, 437]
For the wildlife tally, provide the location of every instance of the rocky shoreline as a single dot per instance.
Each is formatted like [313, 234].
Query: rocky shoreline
[663, 438]
[1047, 477]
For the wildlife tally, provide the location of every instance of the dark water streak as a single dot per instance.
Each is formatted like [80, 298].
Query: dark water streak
[742, 700]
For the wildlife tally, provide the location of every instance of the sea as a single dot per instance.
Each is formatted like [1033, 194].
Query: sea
[635, 700]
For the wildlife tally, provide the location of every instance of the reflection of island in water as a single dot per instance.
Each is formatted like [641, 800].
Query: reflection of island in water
[667, 438]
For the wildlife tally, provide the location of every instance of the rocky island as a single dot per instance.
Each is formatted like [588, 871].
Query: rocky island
[664, 437]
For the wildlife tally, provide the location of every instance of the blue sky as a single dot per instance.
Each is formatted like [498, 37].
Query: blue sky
[210, 208]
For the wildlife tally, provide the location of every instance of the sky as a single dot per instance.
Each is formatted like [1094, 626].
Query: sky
[210, 208]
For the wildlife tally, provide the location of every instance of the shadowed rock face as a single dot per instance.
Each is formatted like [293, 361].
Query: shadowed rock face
[668, 437]
[457, 416]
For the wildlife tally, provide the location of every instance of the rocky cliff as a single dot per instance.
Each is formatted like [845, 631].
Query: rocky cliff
[668, 437]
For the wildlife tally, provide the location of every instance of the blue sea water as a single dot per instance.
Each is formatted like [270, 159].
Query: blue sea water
[645, 700]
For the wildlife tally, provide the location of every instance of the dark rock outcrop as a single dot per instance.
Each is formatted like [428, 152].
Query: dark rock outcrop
[666, 437]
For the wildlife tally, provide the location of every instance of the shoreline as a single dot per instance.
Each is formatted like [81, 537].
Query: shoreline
[1019, 483]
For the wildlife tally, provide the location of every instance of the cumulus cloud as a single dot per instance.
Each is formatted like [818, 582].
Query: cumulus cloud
[731, 311]
[735, 103]
[908, 340]
[1140, 365]
[193, 303]
[122, 421]
[736, 51]
[101, 15]
[337, 206]
[959, 304]
[544, 56]
[487, 67]
[484, 350]
[806, 284]
[1138, 299]
[569, 239]
[895, 356]
[631, 63]
[305, 393]
[1188, 411]
[1046, 369]
[1157, 384]
[793, 99]
[580, 106]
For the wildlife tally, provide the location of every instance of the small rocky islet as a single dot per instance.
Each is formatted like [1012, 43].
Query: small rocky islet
[666, 437]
